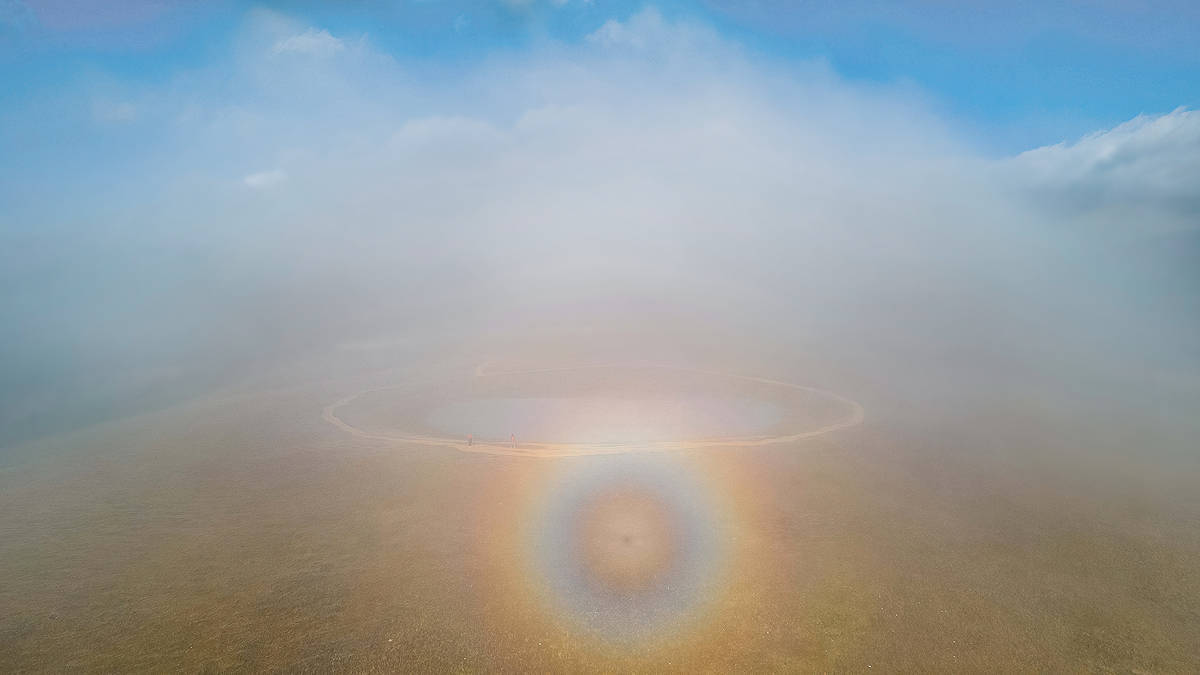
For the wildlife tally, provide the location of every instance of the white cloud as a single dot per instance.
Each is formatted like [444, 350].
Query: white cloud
[451, 129]
[649, 30]
[1145, 172]
[114, 111]
[311, 42]
[265, 180]
[637, 32]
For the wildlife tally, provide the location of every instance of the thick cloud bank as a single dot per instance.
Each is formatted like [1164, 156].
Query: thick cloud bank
[1143, 174]
[306, 190]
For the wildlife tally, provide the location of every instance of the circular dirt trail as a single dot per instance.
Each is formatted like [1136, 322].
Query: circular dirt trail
[593, 410]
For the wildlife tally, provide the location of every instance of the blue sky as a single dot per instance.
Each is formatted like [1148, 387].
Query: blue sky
[1014, 75]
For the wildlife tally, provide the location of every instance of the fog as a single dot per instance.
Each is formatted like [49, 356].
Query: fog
[303, 190]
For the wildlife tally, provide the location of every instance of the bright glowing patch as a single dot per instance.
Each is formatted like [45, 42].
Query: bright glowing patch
[609, 419]
[594, 410]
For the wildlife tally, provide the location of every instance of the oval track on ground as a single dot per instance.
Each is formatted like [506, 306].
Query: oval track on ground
[854, 417]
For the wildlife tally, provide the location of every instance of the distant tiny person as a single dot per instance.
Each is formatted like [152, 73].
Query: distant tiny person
[514, 440]
[470, 440]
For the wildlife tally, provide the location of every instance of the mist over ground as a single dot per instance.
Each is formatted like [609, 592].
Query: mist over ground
[320, 321]
[301, 190]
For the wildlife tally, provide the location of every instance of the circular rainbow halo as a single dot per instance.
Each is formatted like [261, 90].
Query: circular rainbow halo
[626, 547]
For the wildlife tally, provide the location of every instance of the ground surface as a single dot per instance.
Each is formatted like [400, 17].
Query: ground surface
[244, 531]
